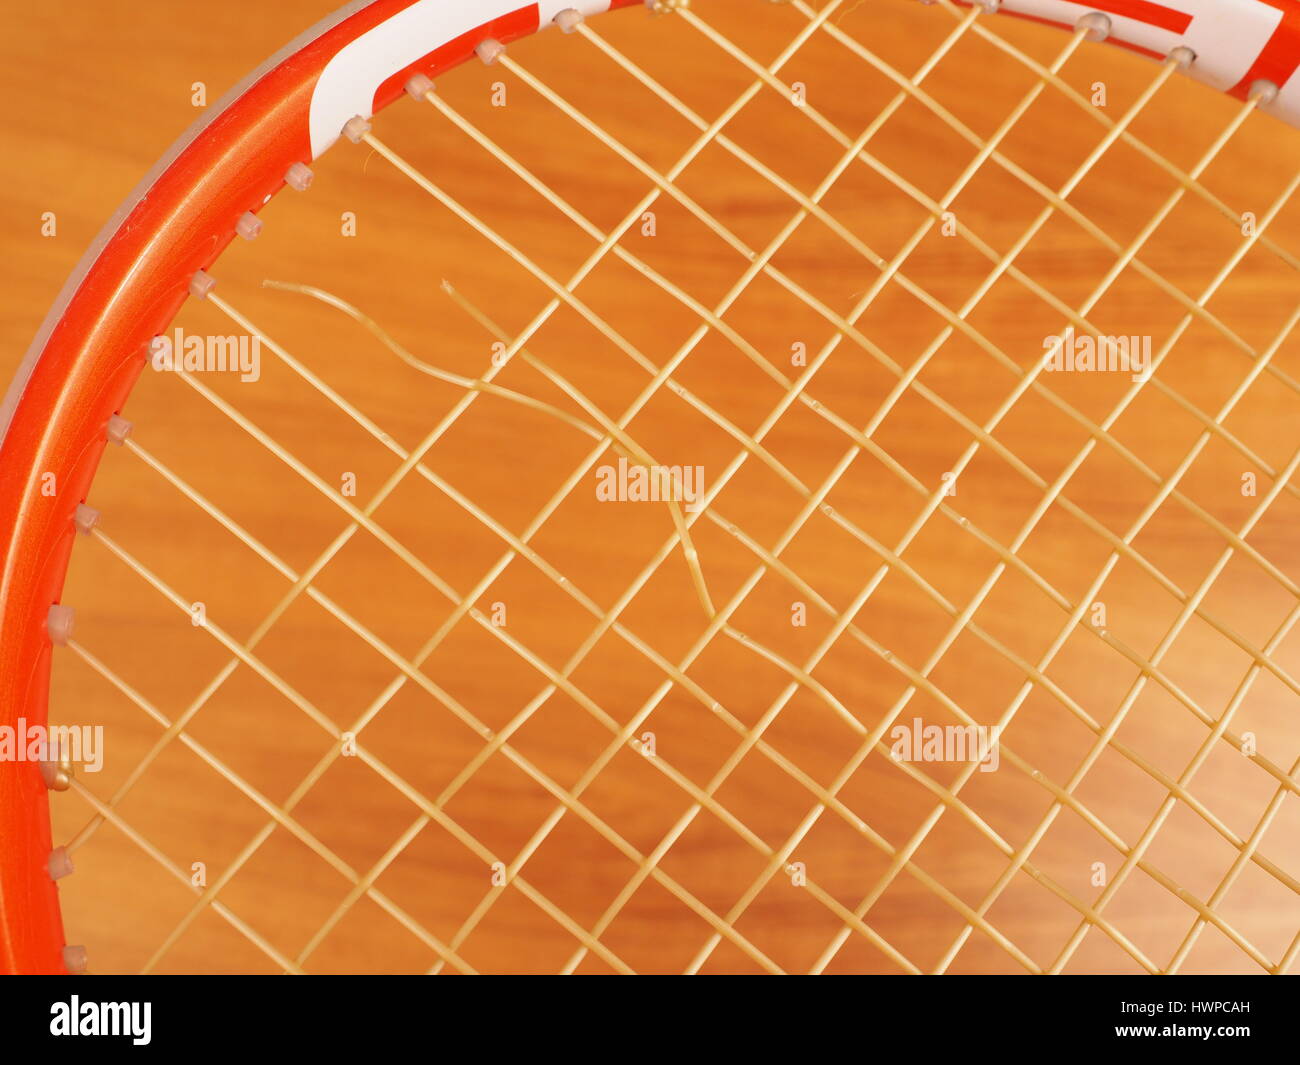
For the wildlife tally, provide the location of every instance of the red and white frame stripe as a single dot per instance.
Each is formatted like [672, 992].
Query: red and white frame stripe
[1237, 42]
[131, 283]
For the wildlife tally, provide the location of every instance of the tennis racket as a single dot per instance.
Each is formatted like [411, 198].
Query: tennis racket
[720, 487]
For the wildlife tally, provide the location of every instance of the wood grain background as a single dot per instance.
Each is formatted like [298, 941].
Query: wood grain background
[104, 89]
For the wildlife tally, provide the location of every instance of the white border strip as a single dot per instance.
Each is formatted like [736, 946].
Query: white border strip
[348, 84]
[1228, 36]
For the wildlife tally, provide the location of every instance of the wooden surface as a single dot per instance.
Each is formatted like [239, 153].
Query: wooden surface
[104, 89]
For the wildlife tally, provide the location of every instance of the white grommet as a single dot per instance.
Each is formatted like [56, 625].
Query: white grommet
[355, 128]
[57, 774]
[989, 7]
[248, 226]
[60, 863]
[201, 284]
[1183, 57]
[568, 20]
[74, 959]
[1263, 91]
[298, 177]
[58, 623]
[84, 518]
[418, 86]
[1097, 25]
[118, 429]
[56, 769]
[489, 50]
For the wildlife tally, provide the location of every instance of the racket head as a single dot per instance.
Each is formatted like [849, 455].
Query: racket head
[129, 288]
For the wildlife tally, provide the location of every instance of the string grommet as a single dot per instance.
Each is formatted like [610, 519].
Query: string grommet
[1097, 25]
[299, 177]
[1263, 92]
[418, 86]
[201, 284]
[489, 50]
[568, 20]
